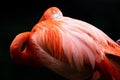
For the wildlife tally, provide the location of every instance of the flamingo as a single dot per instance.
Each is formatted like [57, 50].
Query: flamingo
[70, 47]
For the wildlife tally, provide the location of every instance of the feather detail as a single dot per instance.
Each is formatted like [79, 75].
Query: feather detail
[108, 69]
[54, 38]
[65, 43]
[50, 39]
[112, 48]
[72, 40]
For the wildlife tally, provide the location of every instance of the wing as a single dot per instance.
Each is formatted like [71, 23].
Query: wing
[68, 39]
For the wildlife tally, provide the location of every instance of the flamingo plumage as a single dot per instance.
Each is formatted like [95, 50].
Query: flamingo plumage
[70, 47]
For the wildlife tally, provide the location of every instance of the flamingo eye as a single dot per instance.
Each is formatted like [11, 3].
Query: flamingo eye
[56, 15]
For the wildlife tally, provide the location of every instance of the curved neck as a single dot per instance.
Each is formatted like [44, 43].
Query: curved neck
[16, 51]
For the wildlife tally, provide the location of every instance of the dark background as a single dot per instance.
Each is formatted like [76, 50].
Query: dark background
[19, 16]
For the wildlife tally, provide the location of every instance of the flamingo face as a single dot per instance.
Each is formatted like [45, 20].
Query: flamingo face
[72, 48]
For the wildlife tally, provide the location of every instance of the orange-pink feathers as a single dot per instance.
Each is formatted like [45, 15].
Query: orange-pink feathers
[70, 47]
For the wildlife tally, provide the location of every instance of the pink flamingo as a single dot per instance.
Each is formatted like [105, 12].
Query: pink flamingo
[72, 48]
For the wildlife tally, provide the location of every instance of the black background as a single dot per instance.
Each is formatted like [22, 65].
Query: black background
[19, 16]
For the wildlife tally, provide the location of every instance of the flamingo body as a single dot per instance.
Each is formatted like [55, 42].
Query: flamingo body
[72, 48]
